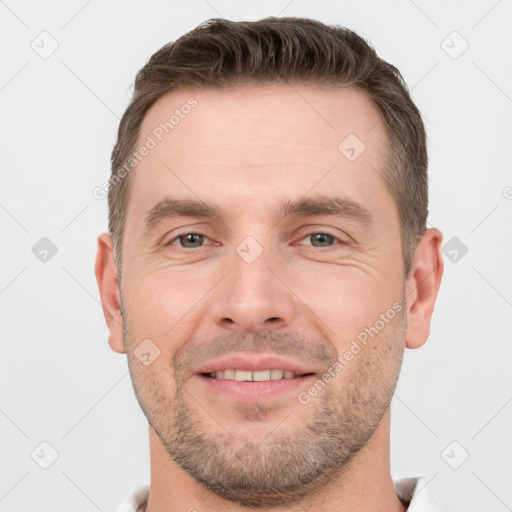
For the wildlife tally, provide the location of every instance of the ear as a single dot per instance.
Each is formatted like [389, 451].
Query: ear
[422, 286]
[108, 284]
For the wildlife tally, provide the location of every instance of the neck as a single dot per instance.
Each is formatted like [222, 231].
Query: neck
[364, 485]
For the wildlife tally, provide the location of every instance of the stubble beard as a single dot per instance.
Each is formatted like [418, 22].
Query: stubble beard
[277, 468]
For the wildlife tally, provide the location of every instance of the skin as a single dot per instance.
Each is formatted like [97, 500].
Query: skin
[248, 150]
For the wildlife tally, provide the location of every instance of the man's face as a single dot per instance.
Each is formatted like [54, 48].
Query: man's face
[251, 289]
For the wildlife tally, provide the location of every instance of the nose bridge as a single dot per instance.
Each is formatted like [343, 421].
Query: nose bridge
[252, 297]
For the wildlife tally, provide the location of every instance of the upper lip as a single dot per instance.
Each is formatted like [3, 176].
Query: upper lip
[253, 363]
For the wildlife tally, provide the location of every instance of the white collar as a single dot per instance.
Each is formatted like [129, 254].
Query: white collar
[416, 492]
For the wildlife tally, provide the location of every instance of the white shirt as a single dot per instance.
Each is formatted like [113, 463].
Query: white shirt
[412, 490]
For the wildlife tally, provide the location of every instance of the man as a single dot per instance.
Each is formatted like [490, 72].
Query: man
[266, 265]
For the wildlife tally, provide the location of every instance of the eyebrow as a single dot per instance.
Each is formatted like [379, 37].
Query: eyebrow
[324, 205]
[169, 208]
[301, 207]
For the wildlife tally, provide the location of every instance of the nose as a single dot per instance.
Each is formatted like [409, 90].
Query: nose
[254, 296]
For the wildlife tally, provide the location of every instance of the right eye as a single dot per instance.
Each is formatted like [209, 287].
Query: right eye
[188, 240]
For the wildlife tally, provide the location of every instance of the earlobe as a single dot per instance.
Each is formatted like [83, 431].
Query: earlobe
[108, 284]
[422, 287]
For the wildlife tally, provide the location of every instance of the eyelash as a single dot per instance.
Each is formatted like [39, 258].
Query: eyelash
[324, 232]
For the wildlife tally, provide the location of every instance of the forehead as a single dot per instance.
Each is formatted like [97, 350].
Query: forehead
[259, 140]
[285, 113]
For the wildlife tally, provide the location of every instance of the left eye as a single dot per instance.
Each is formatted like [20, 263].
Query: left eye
[189, 240]
[323, 239]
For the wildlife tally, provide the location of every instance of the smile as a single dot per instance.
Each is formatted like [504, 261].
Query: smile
[256, 376]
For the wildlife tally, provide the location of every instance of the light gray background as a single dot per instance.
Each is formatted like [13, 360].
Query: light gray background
[61, 383]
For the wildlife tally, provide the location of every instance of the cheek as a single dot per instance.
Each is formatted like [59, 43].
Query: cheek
[154, 389]
[347, 299]
[162, 306]
[370, 362]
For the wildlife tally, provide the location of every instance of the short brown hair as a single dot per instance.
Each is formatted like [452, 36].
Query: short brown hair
[221, 53]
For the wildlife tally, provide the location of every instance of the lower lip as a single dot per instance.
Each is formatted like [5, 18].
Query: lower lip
[256, 390]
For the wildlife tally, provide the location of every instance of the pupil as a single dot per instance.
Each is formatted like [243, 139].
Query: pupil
[193, 239]
[323, 238]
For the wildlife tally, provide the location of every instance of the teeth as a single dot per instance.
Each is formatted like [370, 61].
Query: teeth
[242, 375]
[248, 376]
[228, 374]
[276, 374]
[261, 375]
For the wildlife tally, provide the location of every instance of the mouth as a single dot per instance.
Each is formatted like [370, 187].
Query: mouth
[254, 377]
